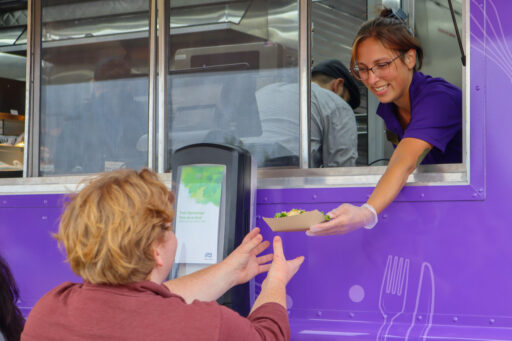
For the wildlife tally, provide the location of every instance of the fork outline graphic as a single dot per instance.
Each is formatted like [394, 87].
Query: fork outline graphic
[394, 284]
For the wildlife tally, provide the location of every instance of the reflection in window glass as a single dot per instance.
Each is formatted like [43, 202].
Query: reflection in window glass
[434, 27]
[12, 92]
[94, 93]
[335, 24]
[223, 76]
[12, 114]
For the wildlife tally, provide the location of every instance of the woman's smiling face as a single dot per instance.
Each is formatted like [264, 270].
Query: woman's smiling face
[391, 84]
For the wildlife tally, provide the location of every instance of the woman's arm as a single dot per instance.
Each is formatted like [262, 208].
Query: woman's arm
[239, 267]
[405, 159]
[346, 218]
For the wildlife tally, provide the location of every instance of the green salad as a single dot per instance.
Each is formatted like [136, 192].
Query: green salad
[296, 212]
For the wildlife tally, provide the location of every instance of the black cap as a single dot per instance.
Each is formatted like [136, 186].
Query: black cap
[334, 68]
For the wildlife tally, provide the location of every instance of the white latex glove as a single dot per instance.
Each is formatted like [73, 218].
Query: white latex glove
[344, 219]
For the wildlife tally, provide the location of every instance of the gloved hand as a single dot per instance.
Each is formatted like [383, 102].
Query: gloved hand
[344, 219]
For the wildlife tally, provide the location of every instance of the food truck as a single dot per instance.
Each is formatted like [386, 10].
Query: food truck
[90, 86]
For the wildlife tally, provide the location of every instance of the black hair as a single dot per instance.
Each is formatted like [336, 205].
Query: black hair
[11, 319]
[328, 70]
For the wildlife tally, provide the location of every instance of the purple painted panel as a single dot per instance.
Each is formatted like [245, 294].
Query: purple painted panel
[38, 200]
[448, 260]
[449, 245]
[26, 243]
[361, 194]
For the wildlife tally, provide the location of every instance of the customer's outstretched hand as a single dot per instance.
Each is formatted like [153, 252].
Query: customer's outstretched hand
[282, 270]
[244, 261]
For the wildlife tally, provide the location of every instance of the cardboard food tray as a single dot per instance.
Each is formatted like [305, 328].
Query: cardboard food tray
[299, 222]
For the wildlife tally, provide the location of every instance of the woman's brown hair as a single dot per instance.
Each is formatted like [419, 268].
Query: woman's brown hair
[110, 227]
[393, 32]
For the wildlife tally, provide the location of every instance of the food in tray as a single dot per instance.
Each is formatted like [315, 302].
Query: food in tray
[295, 220]
[289, 213]
[295, 211]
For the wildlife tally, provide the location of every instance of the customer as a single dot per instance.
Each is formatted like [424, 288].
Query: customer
[118, 237]
[11, 319]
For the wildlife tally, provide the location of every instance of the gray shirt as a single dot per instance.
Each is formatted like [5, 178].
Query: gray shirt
[333, 125]
[333, 129]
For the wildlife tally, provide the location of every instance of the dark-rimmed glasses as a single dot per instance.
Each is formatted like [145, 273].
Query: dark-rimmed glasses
[380, 69]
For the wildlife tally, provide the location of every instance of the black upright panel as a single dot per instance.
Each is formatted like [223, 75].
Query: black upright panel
[235, 205]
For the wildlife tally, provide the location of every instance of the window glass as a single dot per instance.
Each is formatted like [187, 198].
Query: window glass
[339, 138]
[334, 26]
[12, 92]
[434, 27]
[94, 86]
[234, 77]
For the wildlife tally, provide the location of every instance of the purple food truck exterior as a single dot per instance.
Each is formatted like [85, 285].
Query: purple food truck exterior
[435, 267]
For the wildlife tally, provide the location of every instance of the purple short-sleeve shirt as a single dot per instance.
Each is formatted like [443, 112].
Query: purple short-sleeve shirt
[436, 118]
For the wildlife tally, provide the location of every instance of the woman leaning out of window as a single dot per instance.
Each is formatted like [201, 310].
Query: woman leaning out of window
[423, 115]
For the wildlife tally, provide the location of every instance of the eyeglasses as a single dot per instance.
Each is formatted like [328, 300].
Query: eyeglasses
[380, 69]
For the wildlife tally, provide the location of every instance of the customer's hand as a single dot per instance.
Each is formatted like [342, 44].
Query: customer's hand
[243, 263]
[282, 270]
[344, 219]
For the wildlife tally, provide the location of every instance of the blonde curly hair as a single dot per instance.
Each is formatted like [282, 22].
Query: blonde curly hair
[109, 228]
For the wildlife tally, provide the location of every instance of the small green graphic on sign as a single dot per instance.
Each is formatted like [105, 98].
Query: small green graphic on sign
[204, 183]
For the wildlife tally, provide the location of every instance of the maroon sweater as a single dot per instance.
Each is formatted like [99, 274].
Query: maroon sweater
[145, 311]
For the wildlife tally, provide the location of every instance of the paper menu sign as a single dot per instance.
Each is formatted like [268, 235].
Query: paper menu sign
[198, 208]
[299, 222]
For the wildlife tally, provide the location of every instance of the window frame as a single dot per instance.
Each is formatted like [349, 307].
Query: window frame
[464, 181]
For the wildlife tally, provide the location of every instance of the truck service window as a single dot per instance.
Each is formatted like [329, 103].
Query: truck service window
[332, 38]
[224, 59]
[94, 88]
[234, 78]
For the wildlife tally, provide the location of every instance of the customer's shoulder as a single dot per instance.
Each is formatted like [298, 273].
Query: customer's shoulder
[55, 294]
[48, 304]
[61, 289]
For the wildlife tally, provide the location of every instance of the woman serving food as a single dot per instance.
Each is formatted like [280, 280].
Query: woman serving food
[423, 115]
